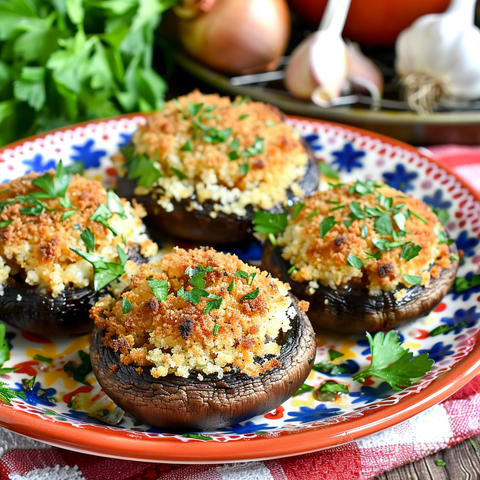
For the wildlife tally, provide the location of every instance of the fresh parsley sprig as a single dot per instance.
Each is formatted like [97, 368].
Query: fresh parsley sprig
[53, 187]
[393, 363]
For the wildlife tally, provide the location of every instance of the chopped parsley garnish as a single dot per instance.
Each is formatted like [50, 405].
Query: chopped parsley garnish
[216, 328]
[442, 238]
[383, 225]
[354, 261]
[5, 223]
[442, 215]
[114, 204]
[297, 208]
[103, 272]
[400, 220]
[333, 354]
[363, 187]
[440, 463]
[329, 171]
[329, 367]
[101, 215]
[393, 363]
[194, 108]
[37, 209]
[214, 136]
[375, 255]
[384, 245]
[244, 116]
[310, 217]
[243, 169]
[338, 207]
[231, 286]
[291, 269]
[442, 329]
[364, 231]
[65, 202]
[143, 169]
[233, 156]
[418, 216]
[68, 214]
[41, 358]
[255, 149]
[385, 202]
[197, 436]
[80, 373]
[269, 123]
[126, 305]
[413, 279]
[333, 387]
[52, 187]
[188, 147]
[266, 223]
[248, 278]
[347, 223]
[356, 211]
[234, 144]
[252, 295]
[303, 389]
[178, 173]
[326, 225]
[88, 239]
[410, 251]
[462, 284]
[159, 288]
[454, 257]
[212, 304]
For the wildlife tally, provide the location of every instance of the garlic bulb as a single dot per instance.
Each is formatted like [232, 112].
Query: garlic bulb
[320, 61]
[439, 56]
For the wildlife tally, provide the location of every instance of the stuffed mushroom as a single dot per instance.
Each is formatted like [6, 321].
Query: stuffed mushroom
[63, 239]
[201, 341]
[366, 256]
[204, 164]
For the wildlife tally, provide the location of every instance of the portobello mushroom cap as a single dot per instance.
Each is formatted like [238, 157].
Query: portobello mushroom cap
[198, 225]
[353, 310]
[24, 307]
[189, 403]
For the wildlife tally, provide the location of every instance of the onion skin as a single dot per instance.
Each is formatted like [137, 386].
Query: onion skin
[238, 36]
[197, 225]
[44, 315]
[208, 404]
[354, 311]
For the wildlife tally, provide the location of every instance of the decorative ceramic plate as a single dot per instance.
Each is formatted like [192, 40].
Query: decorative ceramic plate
[49, 404]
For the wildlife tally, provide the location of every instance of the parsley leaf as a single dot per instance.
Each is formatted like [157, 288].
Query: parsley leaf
[303, 389]
[383, 225]
[333, 387]
[393, 363]
[442, 238]
[53, 187]
[243, 169]
[333, 354]
[144, 170]
[68, 214]
[354, 261]
[413, 279]
[80, 373]
[442, 329]
[410, 251]
[327, 170]
[216, 328]
[212, 304]
[356, 211]
[297, 208]
[101, 215]
[326, 225]
[114, 204]
[126, 305]
[88, 239]
[159, 288]
[5, 223]
[178, 173]
[462, 283]
[375, 255]
[384, 245]
[103, 272]
[266, 223]
[311, 215]
[188, 147]
[252, 295]
[244, 116]
[255, 149]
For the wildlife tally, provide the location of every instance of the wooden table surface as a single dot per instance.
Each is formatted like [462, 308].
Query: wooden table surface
[462, 462]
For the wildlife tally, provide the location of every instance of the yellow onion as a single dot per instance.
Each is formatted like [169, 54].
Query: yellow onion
[238, 36]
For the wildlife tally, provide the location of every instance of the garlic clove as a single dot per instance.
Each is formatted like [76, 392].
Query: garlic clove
[363, 74]
[319, 62]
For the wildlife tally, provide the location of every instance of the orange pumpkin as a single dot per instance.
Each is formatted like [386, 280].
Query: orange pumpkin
[373, 22]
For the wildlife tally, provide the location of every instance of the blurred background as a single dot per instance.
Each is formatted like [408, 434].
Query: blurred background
[377, 64]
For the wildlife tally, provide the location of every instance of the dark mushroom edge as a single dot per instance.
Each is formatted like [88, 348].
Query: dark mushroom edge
[353, 310]
[198, 225]
[24, 307]
[188, 403]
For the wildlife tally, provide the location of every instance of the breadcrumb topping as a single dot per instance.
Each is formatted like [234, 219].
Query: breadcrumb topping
[326, 260]
[180, 138]
[37, 246]
[176, 336]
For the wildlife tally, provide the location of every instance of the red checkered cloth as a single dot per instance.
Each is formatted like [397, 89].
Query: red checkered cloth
[439, 427]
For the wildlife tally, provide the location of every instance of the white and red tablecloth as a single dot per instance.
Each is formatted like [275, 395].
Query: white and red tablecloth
[439, 427]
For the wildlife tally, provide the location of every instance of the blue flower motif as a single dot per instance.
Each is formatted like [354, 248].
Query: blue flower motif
[307, 414]
[364, 343]
[438, 351]
[466, 294]
[436, 201]
[400, 178]
[470, 317]
[125, 139]
[312, 140]
[37, 395]
[248, 427]
[352, 369]
[348, 158]
[372, 394]
[90, 158]
[36, 164]
[466, 244]
[246, 251]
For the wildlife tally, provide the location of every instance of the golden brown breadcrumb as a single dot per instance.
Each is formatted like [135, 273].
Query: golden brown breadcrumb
[177, 336]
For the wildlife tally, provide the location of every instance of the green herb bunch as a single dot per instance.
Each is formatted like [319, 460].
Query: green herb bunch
[63, 61]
